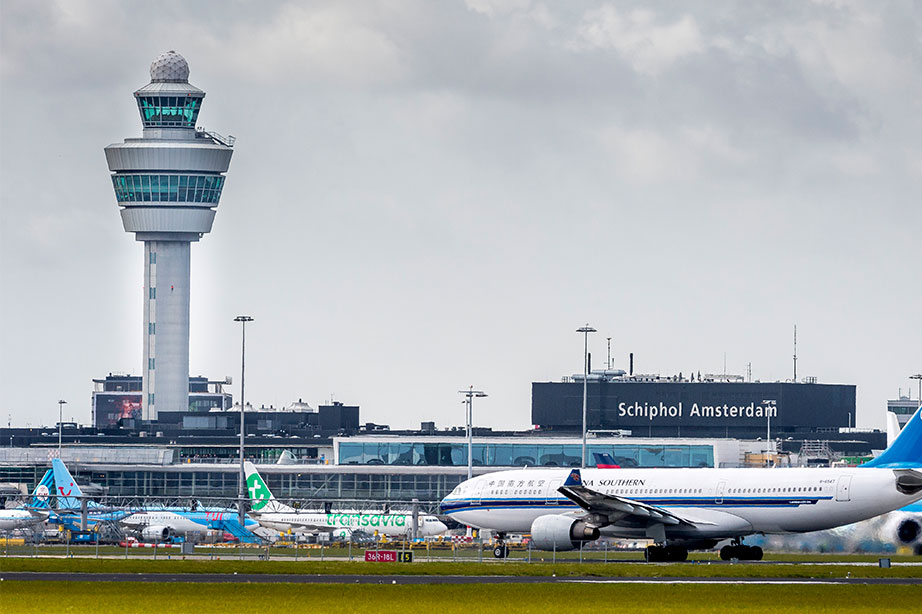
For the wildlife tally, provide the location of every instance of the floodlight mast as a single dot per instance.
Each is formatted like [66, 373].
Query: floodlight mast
[585, 330]
[469, 394]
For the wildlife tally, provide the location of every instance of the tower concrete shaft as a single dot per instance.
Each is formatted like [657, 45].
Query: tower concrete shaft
[168, 184]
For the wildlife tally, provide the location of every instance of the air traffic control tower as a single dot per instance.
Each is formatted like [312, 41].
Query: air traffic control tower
[168, 184]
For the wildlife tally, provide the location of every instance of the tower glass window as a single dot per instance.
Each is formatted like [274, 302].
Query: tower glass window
[168, 188]
[169, 111]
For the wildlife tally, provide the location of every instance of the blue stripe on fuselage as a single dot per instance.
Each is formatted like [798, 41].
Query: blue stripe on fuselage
[462, 505]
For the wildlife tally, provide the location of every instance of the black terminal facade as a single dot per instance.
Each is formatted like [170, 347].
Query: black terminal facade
[683, 408]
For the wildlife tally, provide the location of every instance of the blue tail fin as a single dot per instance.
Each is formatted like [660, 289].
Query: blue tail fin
[574, 479]
[40, 496]
[66, 489]
[906, 449]
[605, 461]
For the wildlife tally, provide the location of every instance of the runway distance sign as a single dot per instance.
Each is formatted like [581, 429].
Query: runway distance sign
[388, 556]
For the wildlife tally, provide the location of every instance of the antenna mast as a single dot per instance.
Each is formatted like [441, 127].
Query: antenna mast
[795, 352]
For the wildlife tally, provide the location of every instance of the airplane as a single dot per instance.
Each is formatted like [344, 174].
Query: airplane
[688, 509]
[68, 500]
[35, 513]
[605, 461]
[161, 524]
[151, 524]
[272, 514]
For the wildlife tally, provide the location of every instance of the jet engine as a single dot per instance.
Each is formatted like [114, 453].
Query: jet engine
[555, 532]
[341, 535]
[156, 534]
[904, 529]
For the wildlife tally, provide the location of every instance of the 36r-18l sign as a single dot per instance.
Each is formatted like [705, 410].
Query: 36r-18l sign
[388, 556]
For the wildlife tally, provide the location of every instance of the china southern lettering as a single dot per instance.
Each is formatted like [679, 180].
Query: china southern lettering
[661, 410]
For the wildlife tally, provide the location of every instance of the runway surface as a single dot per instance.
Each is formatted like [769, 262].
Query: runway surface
[363, 579]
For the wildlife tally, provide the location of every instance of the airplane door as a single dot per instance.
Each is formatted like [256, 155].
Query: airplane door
[552, 492]
[719, 494]
[844, 488]
[478, 492]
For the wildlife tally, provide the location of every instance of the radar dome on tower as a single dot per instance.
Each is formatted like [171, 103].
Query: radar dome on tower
[169, 67]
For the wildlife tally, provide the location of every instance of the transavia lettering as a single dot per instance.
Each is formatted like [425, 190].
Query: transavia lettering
[661, 410]
[366, 520]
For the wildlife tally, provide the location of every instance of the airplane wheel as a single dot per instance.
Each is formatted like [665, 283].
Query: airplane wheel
[753, 553]
[676, 554]
[728, 553]
[653, 554]
[501, 551]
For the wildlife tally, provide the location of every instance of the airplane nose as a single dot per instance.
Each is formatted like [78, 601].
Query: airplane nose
[440, 527]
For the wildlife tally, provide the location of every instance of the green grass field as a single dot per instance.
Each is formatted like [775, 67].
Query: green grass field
[614, 570]
[27, 597]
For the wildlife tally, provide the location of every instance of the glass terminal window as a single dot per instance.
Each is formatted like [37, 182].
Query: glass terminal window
[169, 111]
[168, 188]
[519, 454]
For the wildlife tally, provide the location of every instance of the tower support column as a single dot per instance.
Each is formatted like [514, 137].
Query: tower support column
[167, 271]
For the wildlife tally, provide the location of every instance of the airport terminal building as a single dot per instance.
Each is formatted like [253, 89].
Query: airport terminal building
[696, 406]
[325, 455]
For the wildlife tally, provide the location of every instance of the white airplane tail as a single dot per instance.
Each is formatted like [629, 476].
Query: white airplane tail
[893, 428]
[261, 498]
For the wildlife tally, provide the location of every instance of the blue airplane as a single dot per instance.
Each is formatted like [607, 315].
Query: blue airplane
[151, 523]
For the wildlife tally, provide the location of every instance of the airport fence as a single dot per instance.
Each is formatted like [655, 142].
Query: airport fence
[422, 551]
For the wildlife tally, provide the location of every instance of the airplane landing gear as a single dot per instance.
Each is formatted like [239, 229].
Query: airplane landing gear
[665, 554]
[740, 552]
[501, 551]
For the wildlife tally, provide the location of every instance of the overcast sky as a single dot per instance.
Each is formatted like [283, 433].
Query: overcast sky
[430, 195]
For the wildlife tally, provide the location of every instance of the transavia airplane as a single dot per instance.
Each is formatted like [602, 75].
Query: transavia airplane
[683, 509]
[35, 513]
[274, 515]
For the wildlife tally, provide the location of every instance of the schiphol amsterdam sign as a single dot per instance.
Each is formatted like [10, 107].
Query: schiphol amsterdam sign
[654, 411]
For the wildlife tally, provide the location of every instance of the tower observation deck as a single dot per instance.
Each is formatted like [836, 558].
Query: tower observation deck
[167, 185]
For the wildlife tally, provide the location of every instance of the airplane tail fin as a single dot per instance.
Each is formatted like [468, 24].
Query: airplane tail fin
[574, 479]
[66, 489]
[41, 495]
[605, 461]
[261, 498]
[893, 428]
[906, 450]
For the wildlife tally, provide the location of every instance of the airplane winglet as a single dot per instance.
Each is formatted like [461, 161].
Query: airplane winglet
[574, 479]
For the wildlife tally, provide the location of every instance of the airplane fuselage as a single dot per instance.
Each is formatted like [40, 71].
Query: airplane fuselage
[383, 524]
[182, 522]
[10, 520]
[720, 502]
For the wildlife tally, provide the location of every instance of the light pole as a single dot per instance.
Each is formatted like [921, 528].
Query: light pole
[470, 393]
[61, 404]
[917, 376]
[770, 405]
[243, 350]
[585, 330]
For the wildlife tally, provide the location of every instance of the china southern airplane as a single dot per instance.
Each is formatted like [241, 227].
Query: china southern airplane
[272, 514]
[688, 509]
